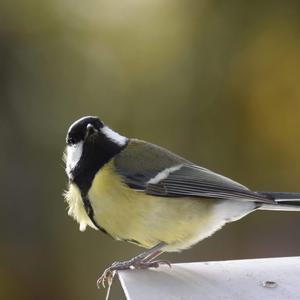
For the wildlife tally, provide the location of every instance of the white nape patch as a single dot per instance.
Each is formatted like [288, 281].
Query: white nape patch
[163, 174]
[73, 154]
[114, 136]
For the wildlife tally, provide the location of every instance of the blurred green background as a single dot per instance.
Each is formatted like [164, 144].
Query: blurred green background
[214, 81]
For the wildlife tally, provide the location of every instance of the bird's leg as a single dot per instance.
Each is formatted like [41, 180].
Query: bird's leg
[149, 261]
[141, 261]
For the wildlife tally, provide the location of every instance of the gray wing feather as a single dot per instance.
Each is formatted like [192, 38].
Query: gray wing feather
[191, 180]
[140, 162]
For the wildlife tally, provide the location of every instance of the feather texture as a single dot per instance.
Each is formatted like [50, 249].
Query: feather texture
[156, 171]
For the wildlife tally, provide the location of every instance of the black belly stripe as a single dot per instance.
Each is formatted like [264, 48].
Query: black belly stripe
[94, 156]
[90, 212]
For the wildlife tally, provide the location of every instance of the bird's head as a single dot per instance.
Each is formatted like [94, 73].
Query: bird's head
[90, 142]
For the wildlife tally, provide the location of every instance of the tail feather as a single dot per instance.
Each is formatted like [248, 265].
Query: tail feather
[283, 201]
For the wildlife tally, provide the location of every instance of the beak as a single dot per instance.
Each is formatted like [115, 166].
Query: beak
[90, 129]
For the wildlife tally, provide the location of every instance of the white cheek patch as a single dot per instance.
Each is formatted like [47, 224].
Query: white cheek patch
[114, 136]
[73, 155]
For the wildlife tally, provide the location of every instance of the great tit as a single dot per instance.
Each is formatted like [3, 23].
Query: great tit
[141, 193]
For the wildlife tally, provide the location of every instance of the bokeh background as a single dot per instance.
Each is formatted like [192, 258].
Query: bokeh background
[214, 81]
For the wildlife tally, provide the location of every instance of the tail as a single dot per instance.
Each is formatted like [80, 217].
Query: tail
[283, 201]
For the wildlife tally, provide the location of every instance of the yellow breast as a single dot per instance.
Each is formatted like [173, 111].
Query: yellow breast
[132, 215]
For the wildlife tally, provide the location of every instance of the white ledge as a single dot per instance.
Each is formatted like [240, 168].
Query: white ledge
[270, 278]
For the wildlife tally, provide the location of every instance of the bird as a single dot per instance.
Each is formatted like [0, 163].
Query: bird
[139, 192]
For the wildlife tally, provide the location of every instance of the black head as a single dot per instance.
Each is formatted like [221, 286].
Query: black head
[90, 145]
[82, 129]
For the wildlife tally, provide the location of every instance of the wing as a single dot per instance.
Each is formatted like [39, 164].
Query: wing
[192, 180]
[174, 176]
[140, 155]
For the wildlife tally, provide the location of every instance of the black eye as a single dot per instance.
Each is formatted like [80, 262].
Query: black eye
[71, 141]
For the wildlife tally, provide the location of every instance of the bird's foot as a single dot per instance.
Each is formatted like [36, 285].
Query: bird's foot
[133, 264]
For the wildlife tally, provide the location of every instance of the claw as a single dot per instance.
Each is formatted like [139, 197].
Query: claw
[157, 263]
[150, 264]
[107, 276]
[143, 261]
